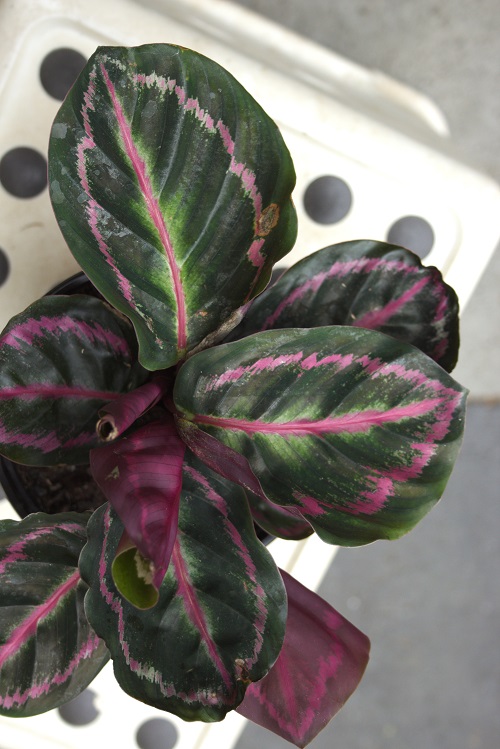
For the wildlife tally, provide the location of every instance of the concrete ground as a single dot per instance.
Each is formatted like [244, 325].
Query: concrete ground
[430, 602]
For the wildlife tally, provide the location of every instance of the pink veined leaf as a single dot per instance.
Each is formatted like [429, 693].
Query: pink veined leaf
[320, 665]
[49, 653]
[141, 475]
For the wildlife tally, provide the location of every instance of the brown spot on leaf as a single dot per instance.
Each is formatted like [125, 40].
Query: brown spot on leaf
[268, 220]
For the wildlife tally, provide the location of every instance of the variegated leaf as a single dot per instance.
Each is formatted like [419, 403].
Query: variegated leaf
[356, 429]
[368, 284]
[60, 361]
[172, 188]
[48, 651]
[320, 665]
[220, 619]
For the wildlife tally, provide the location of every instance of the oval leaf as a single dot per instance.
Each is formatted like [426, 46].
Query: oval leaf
[220, 619]
[49, 399]
[314, 674]
[367, 284]
[48, 651]
[141, 476]
[176, 252]
[356, 429]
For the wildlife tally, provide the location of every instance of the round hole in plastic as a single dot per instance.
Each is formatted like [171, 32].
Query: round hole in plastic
[328, 199]
[81, 711]
[157, 733]
[59, 70]
[23, 172]
[4, 267]
[414, 233]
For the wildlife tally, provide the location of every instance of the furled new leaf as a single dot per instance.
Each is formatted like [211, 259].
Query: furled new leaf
[356, 429]
[172, 188]
[60, 361]
[141, 475]
[48, 651]
[320, 665]
[367, 284]
[220, 619]
[119, 415]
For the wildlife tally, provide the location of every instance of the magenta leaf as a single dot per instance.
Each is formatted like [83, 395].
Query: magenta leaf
[220, 618]
[48, 651]
[320, 665]
[141, 475]
[119, 415]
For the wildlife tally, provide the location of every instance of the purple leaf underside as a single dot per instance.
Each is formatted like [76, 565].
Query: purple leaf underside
[141, 475]
[118, 416]
[320, 665]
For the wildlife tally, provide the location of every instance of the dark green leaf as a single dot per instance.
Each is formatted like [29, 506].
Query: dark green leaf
[48, 651]
[220, 619]
[172, 188]
[369, 285]
[354, 428]
[61, 360]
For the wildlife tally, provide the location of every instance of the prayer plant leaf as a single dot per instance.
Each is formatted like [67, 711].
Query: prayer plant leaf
[220, 619]
[314, 674]
[141, 476]
[61, 360]
[172, 188]
[48, 651]
[283, 522]
[355, 429]
[367, 284]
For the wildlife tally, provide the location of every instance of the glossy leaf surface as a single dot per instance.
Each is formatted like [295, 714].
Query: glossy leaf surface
[141, 475]
[220, 618]
[60, 361]
[367, 284]
[172, 188]
[320, 665]
[48, 651]
[354, 428]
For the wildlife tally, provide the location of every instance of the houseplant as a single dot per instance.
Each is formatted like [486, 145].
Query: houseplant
[322, 404]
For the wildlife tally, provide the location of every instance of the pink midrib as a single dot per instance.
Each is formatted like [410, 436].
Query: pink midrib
[153, 209]
[195, 614]
[28, 627]
[350, 423]
[379, 317]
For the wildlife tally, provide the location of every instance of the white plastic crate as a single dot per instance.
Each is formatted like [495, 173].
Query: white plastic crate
[383, 147]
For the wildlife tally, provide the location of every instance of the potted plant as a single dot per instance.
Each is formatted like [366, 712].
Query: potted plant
[202, 401]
